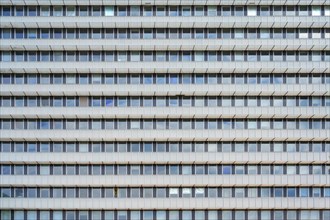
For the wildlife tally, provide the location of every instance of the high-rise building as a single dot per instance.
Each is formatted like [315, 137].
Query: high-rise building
[165, 110]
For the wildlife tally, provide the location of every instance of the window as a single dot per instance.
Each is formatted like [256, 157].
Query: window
[226, 169]
[147, 11]
[186, 170]
[239, 11]
[96, 11]
[109, 11]
[147, 56]
[199, 11]
[264, 11]
[6, 56]
[186, 33]
[186, 215]
[277, 11]
[239, 33]
[161, 215]
[32, 11]
[211, 10]
[186, 192]
[226, 11]
[303, 33]
[19, 11]
[186, 56]
[160, 56]
[6, 33]
[239, 169]
[135, 10]
[122, 56]
[57, 11]
[304, 192]
[174, 11]
[173, 192]
[251, 11]
[316, 10]
[160, 11]
[303, 10]
[199, 192]
[316, 33]
[70, 11]
[186, 11]
[199, 56]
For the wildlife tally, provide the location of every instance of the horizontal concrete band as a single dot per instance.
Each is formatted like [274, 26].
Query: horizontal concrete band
[169, 2]
[167, 203]
[165, 67]
[165, 44]
[166, 90]
[165, 112]
[165, 135]
[167, 22]
[167, 180]
[166, 158]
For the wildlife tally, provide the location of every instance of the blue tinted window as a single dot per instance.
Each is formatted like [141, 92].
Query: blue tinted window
[304, 192]
[5, 170]
[174, 79]
[31, 148]
[291, 192]
[278, 192]
[109, 102]
[147, 147]
[327, 192]
[147, 79]
[6, 11]
[44, 124]
[226, 170]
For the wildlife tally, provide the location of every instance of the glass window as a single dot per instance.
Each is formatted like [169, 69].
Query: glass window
[277, 11]
[265, 169]
[186, 33]
[199, 33]
[304, 192]
[32, 11]
[186, 170]
[199, 11]
[5, 170]
[160, 56]
[147, 56]
[211, 10]
[174, 33]
[226, 169]
[160, 11]
[303, 10]
[290, 169]
[316, 10]
[70, 10]
[57, 10]
[239, 33]
[252, 56]
[19, 11]
[264, 11]
[31, 215]
[239, 11]
[174, 11]
[252, 11]
[6, 33]
[186, 192]
[147, 11]
[109, 11]
[173, 192]
[6, 56]
[186, 11]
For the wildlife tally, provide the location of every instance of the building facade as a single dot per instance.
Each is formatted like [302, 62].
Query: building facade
[165, 110]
